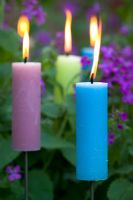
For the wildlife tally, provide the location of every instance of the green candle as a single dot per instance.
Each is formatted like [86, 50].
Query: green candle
[68, 69]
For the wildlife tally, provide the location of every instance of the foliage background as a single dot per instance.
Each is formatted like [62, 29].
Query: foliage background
[52, 170]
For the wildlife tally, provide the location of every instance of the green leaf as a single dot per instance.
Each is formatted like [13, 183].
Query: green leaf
[71, 110]
[5, 70]
[51, 141]
[53, 110]
[7, 153]
[2, 8]
[40, 186]
[120, 189]
[9, 41]
[17, 190]
[130, 150]
[70, 155]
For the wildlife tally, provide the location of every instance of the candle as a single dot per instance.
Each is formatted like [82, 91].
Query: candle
[26, 102]
[68, 67]
[91, 125]
[89, 51]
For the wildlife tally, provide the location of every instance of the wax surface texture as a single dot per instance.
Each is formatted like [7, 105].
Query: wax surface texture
[68, 70]
[26, 106]
[91, 131]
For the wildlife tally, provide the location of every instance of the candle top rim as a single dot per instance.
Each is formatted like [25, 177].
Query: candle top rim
[25, 64]
[68, 56]
[86, 84]
[87, 49]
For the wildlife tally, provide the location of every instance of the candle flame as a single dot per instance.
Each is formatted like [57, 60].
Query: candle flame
[93, 30]
[68, 34]
[23, 25]
[26, 45]
[96, 52]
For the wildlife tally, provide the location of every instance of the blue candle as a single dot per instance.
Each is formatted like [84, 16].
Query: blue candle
[91, 131]
[89, 52]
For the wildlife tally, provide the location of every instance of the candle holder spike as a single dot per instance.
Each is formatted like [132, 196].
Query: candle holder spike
[26, 176]
[92, 190]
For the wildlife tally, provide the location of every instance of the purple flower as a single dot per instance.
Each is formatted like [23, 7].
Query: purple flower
[32, 9]
[26, 3]
[117, 65]
[111, 138]
[40, 16]
[13, 173]
[120, 126]
[5, 25]
[43, 88]
[59, 41]
[113, 21]
[85, 61]
[123, 116]
[127, 51]
[28, 11]
[44, 37]
[70, 5]
[8, 7]
[94, 10]
[108, 51]
[124, 29]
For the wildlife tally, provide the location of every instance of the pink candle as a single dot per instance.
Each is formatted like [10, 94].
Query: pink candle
[26, 97]
[26, 106]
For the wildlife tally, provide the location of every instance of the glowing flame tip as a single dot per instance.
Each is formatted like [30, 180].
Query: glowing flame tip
[96, 51]
[68, 34]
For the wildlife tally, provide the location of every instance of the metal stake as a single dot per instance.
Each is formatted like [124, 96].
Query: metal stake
[26, 175]
[92, 190]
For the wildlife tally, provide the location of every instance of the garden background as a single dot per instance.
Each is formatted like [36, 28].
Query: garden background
[52, 170]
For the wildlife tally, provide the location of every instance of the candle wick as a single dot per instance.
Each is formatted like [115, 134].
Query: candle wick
[25, 60]
[92, 78]
[67, 53]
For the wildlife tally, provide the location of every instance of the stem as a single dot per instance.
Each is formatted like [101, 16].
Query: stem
[26, 175]
[92, 190]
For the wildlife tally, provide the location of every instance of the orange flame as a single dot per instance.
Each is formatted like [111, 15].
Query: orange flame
[96, 52]
[68, 34]
[26, 45]
[23, 25]
[93, 30]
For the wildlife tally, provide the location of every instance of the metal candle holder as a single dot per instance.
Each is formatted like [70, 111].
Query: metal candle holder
[26, 176]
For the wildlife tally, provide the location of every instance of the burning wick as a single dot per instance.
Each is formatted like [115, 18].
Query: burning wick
[92, 78]
[67, 53]
[25, 60]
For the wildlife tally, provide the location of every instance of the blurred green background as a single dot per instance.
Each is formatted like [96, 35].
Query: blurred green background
[52, 170]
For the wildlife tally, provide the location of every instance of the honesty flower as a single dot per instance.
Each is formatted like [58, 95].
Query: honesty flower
[120, 126]
[13, 173]
[123, 116]
[33, 9]
[40, 15]
[124, 29]
[95, 9]
[43, 88]
[111, 138]
[72, 5]
[44, 37]
[59, 41]
[85, 61]
[117, 70]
